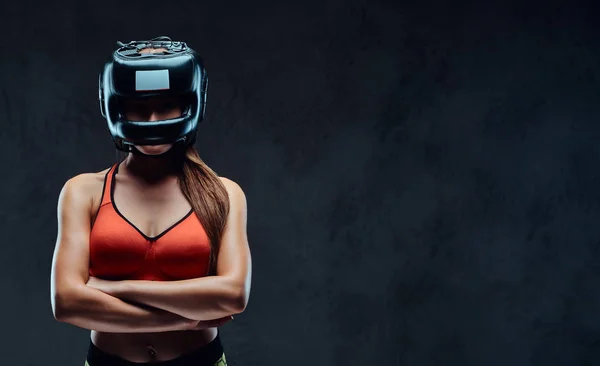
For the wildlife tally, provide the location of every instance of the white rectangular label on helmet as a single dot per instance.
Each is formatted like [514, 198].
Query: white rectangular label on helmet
[146, 80]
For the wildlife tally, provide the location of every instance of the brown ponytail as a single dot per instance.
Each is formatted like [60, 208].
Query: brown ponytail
[209, 199]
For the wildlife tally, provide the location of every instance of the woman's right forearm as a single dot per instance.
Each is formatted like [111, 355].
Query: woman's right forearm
[89, 308]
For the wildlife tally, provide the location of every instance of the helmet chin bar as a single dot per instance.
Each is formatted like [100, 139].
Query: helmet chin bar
[172, 131]
[130, 147]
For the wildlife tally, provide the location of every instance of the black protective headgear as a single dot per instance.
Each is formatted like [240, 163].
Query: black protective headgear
[179, 72]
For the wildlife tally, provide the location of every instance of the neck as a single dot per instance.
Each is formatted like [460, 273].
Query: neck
[152, 168]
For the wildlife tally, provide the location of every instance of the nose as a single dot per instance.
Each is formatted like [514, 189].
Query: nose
[153, 117]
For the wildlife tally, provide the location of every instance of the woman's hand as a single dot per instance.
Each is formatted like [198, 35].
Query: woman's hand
[205, 324]
[108, 287]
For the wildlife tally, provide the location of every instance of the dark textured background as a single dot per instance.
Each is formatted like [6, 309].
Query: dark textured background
[422, 178]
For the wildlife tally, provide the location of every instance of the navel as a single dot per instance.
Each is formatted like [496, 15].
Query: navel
[151, 350]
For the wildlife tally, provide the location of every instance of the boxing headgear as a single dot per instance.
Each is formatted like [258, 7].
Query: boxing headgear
[129, 75]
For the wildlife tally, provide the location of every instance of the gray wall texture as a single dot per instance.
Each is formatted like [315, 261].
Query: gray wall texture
[422, 177]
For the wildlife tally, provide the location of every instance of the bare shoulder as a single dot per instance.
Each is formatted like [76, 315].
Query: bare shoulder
[237, 197]
[86, 181]
[84, 187]
[232, 187]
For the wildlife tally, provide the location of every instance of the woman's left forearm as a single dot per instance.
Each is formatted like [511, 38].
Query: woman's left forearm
[204, 298]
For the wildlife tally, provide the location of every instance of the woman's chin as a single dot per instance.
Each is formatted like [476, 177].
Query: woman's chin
[154, 149]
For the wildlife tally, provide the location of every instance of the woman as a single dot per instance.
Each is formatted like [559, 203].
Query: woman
[152, 253]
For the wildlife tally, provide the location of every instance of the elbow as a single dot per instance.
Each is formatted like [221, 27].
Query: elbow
[240, 300]
[233, 296]
[62, 306]
[60, 316]
[59, 308]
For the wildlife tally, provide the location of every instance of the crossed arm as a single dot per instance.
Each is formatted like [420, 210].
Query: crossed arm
[203, 298]
[144, 306]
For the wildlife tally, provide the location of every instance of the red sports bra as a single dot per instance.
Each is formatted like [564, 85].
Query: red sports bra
[119, 250]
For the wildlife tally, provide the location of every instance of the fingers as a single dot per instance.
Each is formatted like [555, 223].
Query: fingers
[217, 322]
[214, 323]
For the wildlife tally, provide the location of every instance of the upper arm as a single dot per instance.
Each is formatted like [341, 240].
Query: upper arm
[70, 262]
[234, 260]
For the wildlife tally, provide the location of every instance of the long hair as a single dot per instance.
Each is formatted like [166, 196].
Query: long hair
[207, 195]
[209, 199]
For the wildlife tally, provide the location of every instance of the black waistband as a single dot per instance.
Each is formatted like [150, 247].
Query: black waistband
[206, 355]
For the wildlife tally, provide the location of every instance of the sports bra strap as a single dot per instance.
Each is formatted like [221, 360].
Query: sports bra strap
[108, 179]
